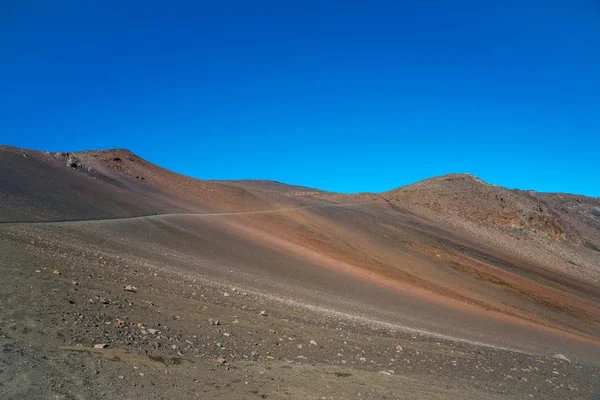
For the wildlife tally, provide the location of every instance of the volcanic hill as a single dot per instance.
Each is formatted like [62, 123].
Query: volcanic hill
[117, 270]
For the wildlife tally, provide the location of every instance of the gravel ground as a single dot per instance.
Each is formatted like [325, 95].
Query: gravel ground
[94, 327]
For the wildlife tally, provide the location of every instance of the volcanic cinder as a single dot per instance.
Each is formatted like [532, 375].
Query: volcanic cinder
[116, 272]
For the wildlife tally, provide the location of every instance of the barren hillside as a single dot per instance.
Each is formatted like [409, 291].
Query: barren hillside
[483, 290]
[560, 231]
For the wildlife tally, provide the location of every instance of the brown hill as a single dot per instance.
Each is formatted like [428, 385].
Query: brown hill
[555, 229]
[36, 186]
[445, 261]
[466, 197]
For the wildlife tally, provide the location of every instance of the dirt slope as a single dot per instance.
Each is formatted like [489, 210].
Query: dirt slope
[36, 186]
[556, 230]
[432, 268]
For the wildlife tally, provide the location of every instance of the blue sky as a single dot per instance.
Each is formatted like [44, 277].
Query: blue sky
[340, 95]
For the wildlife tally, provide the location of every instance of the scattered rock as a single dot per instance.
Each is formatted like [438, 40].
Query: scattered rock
[312, 342]
[263, 313]
[131, 288]
[221, 360]
[74, 162]
[561, 357]
[300, 346]
[100, 346]
[385, 373]
[56, 272]
[399, 348]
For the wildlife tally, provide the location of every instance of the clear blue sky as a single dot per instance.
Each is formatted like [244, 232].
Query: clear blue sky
[340, 95]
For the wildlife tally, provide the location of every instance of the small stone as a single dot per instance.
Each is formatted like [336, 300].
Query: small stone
[300, 346]
[399, 348]
[221, 360]
[100, 346]
[131, 288]
[263, 313]
[226, 334]
[152, 331]
[104, 301]
[385, 373]
[312, 342]
[561, 357]
[56, 272]
[75, 283]
[219, 344]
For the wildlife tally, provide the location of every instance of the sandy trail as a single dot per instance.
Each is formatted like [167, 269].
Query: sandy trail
[211, 214]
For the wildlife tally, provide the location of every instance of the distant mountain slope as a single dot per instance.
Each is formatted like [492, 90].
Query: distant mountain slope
[38, 186]
[467, 197]
[579, 211]
[41, 186]
[453, 240]
[536, 225]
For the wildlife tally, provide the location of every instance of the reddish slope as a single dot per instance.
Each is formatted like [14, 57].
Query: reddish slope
[536, 226]
[418, 257]
[36, 186]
